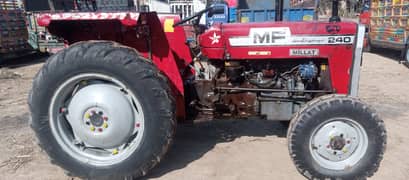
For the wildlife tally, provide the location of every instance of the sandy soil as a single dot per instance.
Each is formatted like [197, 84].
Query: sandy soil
[222, 150]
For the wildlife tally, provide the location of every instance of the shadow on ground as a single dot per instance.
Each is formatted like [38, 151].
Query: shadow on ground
[26, 60]
[193, 141]
[387, 53]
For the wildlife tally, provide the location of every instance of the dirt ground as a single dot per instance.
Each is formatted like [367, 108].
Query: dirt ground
[222, 150]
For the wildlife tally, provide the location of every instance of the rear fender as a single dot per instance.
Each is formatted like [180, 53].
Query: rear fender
[163, 44]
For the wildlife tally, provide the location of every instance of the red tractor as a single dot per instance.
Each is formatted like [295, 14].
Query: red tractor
[108, 105]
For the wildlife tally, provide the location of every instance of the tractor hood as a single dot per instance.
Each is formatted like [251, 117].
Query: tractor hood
[339, 43]
[273, 39]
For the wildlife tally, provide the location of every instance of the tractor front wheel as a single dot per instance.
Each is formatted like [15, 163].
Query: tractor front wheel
[102, 111]
[336, 137]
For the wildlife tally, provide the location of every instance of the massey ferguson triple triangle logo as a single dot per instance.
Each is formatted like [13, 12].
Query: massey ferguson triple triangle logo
[281, 36]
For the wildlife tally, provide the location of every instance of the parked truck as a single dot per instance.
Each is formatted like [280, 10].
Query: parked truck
[387, 25]
[13, 31]
[39, 37]
[262, 11]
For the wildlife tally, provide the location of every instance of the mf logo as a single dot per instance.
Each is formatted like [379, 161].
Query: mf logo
[266, 36]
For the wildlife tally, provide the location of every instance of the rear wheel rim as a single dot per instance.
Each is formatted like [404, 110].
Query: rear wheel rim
[338, 143]
[68, 130]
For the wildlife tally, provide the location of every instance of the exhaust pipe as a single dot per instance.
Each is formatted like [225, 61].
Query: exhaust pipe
[279, 10]
[335, 17]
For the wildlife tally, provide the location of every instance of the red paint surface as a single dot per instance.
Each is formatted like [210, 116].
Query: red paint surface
[232, 3]
[365, 18]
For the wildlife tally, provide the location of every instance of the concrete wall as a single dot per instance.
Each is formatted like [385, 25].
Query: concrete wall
[155, 5]
[159, 6]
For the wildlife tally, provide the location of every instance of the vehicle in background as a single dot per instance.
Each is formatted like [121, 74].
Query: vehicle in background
[13, 31]
[365, 15]
[388, 25]
[261, 11]
[39, 37]
[365, 19]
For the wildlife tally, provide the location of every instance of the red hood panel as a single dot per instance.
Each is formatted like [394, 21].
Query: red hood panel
[283, 40]
[252, 40]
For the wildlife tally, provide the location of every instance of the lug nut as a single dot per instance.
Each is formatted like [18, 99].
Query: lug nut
[87, 115]
[105, 125]
[105, 118]
[92, 128]
[100, 113]
[87, 123]
[63, 110]
[115, 152]
[100, 129]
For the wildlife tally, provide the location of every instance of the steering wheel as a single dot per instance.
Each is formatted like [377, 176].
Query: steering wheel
[197, 15]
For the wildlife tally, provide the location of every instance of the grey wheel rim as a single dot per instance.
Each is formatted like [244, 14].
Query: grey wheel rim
[338, 144]
[96, 119]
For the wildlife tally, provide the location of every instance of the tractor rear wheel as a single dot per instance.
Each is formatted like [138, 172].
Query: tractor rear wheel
[101, 111]
[336, 137]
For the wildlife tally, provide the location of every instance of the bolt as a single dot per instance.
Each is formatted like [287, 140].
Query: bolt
[92, 128]
[100, 129]
[138, 125]
[342, 135]
[100, 113]
[335, 153]
[348, 141]
[105, 118]
[105, 125]
[87, 115]
[87, 123]
[63, 110]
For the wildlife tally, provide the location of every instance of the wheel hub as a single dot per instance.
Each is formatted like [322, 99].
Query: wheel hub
[338, 144]
[95, 118]
[101, 116]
